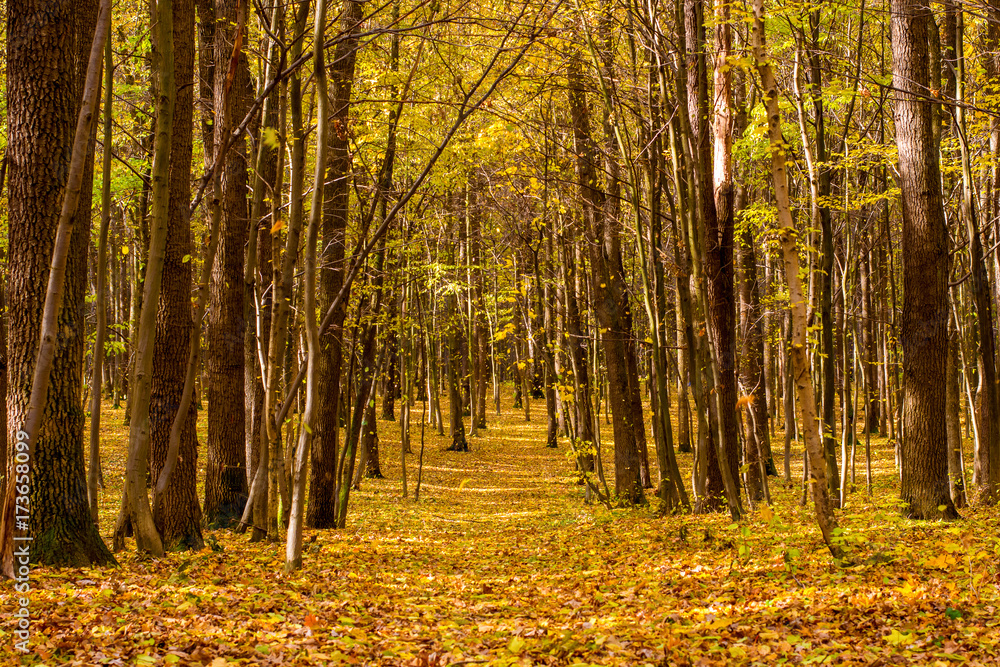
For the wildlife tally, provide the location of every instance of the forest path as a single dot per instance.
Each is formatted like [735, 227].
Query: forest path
[501, 562]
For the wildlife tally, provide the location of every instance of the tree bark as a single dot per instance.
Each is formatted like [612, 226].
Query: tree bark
[47, 56]
[225, 475]
[925, 487]
[798, 350]
[610, 301]
[321, 506]
[101, 299]
[716, 217]
[177, 514]
[953, 400]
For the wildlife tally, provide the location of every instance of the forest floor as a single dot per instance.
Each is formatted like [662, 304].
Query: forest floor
[501, 562]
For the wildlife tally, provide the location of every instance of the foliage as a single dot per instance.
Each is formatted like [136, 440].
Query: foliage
[500, 563]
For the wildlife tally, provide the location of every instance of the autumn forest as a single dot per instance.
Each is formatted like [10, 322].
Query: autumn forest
[506, 332]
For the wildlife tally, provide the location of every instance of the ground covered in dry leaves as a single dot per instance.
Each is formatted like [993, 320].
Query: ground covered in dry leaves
[501, 563]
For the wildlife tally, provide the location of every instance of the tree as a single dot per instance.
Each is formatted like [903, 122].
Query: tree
[177, 513]
[335, 216]
[925, 487]
[47, 55]
[225, 477]
[610, 301]
[800, 372]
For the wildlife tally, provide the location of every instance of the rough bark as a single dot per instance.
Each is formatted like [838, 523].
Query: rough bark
[751, 369]
[225, 475]
[716, 217]
[924, 331]
[610, 302]
[177, 515]
[47, 47]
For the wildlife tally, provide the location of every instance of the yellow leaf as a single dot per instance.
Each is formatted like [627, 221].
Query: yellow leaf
[278, 226]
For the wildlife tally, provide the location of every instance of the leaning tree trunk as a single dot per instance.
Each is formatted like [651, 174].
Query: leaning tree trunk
[925, 487]
[798, 349]
[293, 544]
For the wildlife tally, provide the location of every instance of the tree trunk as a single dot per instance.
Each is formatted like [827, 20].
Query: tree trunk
[100, 290]
[925, 485]
[953, 399]
[798, 350]
[177, 514]
[610, 301]
[47, 48]
[755, 430]
[311, 416]
[321, 507]
[225, 474]
[715, 212]
[454, 364]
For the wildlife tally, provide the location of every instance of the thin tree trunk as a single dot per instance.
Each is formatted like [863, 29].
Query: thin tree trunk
[293, 545]
[135, 500]
[100, 335]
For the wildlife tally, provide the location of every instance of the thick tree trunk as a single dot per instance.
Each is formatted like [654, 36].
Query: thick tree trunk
[225, 475]
[610, 301]
[755, 432]
[925, 487]
[177, 515]
[47, 54]
[716, 217]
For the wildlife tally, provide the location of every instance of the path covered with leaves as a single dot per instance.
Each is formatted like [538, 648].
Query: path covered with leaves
[501, 563]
